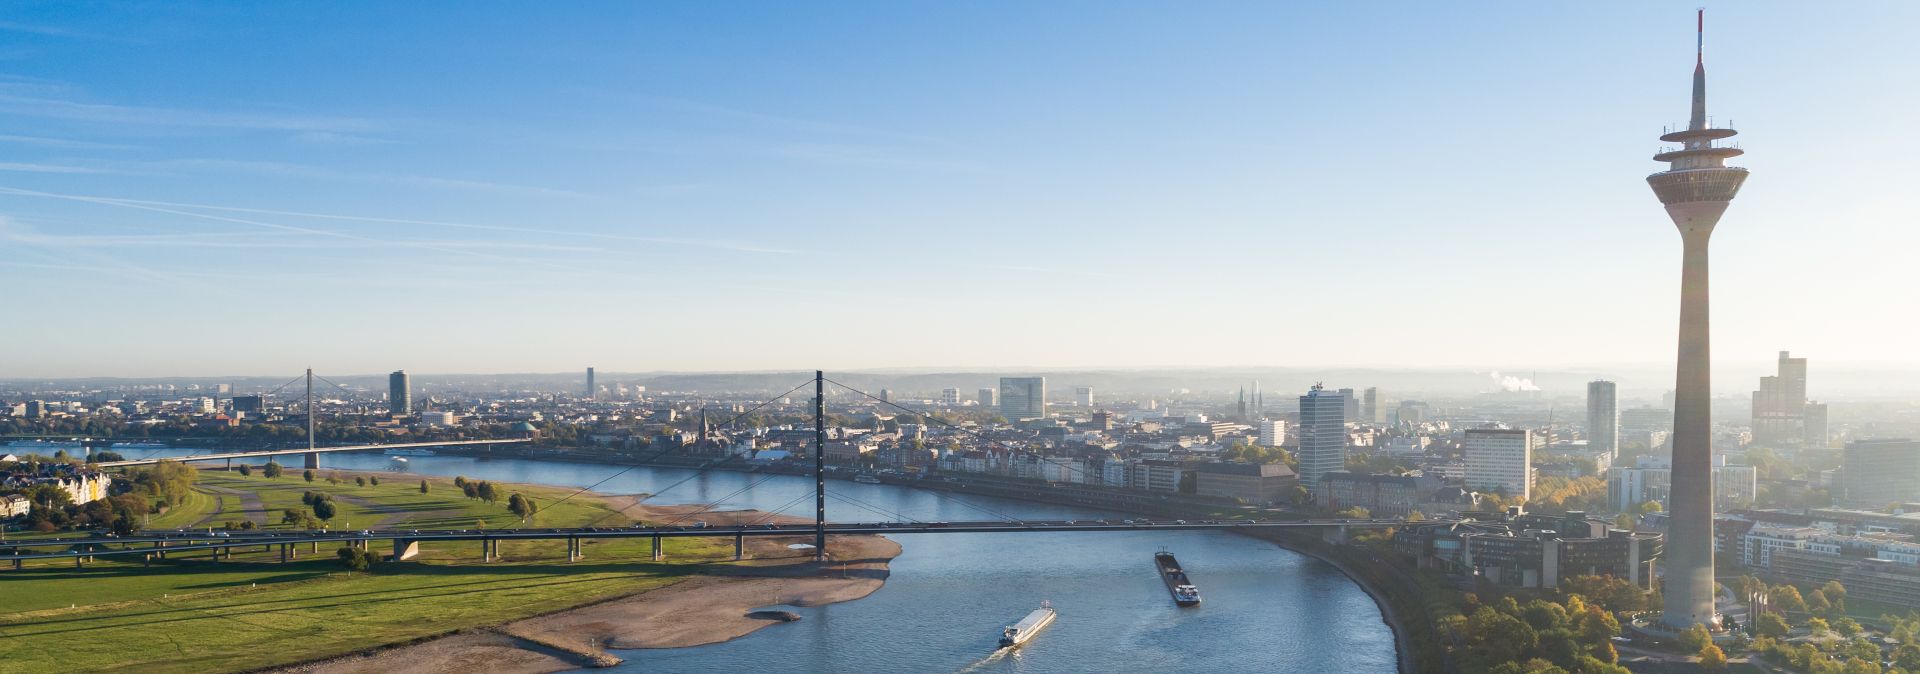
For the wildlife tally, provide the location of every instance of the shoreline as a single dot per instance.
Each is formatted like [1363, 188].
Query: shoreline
[714, 604]
[1406, 649]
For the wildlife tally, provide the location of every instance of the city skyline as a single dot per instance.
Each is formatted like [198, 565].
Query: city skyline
[791, 179]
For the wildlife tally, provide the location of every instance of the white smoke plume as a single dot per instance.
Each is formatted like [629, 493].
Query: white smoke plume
[1511, 384]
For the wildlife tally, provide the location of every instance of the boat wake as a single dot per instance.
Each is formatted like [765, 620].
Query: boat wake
[983, 663]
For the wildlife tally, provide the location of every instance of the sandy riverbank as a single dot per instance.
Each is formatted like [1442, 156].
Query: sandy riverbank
[710, 606]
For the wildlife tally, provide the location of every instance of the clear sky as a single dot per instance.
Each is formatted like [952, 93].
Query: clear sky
[253, 188]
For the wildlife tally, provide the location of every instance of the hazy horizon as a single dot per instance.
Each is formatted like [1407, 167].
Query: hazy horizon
[744, 187]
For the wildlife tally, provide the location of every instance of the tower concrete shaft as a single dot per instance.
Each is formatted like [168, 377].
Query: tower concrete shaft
[1695, 190]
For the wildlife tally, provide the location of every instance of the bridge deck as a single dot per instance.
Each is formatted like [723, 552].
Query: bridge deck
[187, 541]
[304, 450]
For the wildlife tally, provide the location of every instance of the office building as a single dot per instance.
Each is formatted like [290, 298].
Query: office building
[249, 404]
[1814, 422]
[989, 397]
[1083, 396]
[1531, 551]
[1603, 417]
[950, 397]
[1650, 478]
[1695, 189]
[1780, 404]
[593, 390]
[1244, 482]
[1023, 398]
[1273, 432]
[399, 393]
[1370, 409]
[1323, 436]
[1500, 460]
[1878, 473]
[1352, 404]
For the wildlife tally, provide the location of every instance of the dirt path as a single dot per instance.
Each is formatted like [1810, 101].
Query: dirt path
[251, 507]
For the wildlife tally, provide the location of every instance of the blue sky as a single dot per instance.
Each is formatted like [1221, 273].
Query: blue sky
[242, 188]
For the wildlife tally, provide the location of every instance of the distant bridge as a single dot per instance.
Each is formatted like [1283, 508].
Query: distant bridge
[406, 542]
[229, 456]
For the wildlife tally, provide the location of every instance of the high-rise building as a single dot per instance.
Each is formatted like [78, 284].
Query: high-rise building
[1879, 473]
[1273, 432]
[1083, 396]
[886, 395]
[1500, 459]
[1259, 403]
[1370, 409]
[989, 397]
[1780, 404]
[950, 397]
[1323, 436]
[1695, 189]
[1815, 425]
[1023, 398]
[1352, 409]
[593, 390]
[254, 404]
[1603, 417]
[399, 393]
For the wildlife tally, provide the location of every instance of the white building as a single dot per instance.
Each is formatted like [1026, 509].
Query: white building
[1273, 433]
[1083, 395]
[1650, 479]
[1500, 459]
[950, 397]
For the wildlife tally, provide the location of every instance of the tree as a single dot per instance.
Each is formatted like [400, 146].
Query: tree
[1695, 638]
[1623, 521]
[1770, 624]
[1817, 626]
[1847, 627]
[291, 516]
[356, 559]
[1711, 657]
[374, 480]
[273, 469]
[1354, 513]
[1817, 601]
[308, 475]
[423, 486]
[325, 510]
[1787, 597]
[488, 493]
[246, 470]
[1834, 590]
[1650, 507]
[1416, 516]
[521, 506]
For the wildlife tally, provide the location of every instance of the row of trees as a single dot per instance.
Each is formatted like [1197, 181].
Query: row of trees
[1573, 636]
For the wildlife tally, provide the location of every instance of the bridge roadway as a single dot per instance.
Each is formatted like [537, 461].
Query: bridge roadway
[304, 450]
[406, 541]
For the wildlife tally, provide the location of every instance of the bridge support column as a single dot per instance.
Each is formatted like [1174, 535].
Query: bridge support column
[573, 549]
[404, 549]
[739, 543]
[286, 550]
[146, 560]
[19, 564]
[315, 549]
[313, 460]
[76, 561]
[658, 554]
[487, 550]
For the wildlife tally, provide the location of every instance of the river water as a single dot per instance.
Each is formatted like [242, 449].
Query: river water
[1266, 609]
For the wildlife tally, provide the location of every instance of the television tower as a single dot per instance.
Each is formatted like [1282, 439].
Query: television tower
[1695, 188]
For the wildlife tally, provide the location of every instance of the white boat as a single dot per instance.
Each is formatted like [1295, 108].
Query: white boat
[1020, 632]
[866, 479]
[410, 451]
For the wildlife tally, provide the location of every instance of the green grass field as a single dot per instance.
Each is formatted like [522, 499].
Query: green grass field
[200, 615]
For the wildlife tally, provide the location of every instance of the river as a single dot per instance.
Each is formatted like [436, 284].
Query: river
[1267, 609]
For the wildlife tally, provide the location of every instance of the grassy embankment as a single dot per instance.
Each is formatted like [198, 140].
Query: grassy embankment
[198, 615]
